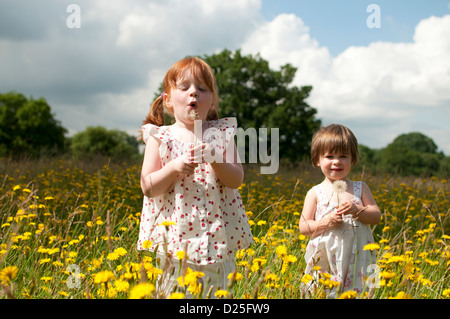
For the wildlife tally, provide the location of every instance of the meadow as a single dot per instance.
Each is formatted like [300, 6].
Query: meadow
[69, 229]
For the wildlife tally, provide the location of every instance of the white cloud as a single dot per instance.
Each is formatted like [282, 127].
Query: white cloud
[106, 72]
[286, 39]
[381, 90]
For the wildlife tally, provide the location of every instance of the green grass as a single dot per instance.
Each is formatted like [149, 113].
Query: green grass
[61, 222]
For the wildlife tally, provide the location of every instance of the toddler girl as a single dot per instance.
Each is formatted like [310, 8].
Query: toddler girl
[192, 204]
[337, 213]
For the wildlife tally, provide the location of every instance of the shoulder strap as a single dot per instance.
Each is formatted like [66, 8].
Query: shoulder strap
[321, 194]
[357, 189]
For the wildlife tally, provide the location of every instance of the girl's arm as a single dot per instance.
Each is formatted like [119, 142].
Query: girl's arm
[308, 225]
[155, 179]
[368, 213]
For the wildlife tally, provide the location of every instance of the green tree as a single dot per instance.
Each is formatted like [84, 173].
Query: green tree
[27, 126]
[368, 158]
[100, 141]
[411, 154]
[260, 97]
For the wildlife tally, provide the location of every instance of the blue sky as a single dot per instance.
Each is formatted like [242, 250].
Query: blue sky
[380, 82]
[340, 24]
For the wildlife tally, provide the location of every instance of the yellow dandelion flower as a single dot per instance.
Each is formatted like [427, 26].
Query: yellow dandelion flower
[103, 276]
[8, 274]
[180, 254]
[44, 261]
[121, 285]
[167, 223]
[73, 254]
[238, 276]
[387, 274]
[446, 293]
[371, 246]
[152, 272]
[147, 244]
[142, 291]
[177, 295]
[290, 259]
[271, 276]
[351, 294]
[46, 279]
[16, 187]
[113, 256]
[281, 250]
[401, 295]
[306, 278]
[195, 288]
[221, 293]
[121, 251]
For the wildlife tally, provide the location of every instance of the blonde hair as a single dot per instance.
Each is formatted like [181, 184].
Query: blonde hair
[334, 138]
[201, 72]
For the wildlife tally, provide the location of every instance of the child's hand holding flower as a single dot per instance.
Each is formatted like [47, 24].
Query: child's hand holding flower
[347, 208]
[202, 153]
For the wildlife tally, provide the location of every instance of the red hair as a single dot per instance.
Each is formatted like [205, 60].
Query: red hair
[201, 71]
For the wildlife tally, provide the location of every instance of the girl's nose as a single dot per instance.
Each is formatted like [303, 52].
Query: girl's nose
[193, 91]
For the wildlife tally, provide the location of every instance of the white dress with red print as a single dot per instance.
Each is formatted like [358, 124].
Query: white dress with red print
[340, 251]
[210, 222]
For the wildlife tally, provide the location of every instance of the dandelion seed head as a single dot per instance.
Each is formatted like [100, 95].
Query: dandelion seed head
[339, 186]
[193, 115]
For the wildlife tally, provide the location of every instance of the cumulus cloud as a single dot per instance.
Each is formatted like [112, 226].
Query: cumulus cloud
[380, 90]
[106, 72]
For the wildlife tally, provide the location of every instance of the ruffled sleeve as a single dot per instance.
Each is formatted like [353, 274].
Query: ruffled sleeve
[159, 132]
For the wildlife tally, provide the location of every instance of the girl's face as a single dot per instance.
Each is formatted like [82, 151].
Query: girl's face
[335, 166]
[190, 94]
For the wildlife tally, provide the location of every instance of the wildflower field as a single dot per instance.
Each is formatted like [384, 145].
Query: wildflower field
[69, 230]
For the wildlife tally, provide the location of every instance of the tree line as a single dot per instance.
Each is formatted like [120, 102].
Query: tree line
[249, 90]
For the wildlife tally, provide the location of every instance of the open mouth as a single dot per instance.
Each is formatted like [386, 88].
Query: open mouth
[193, 104]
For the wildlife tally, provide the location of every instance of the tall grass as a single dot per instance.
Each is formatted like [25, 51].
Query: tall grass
[69, 230]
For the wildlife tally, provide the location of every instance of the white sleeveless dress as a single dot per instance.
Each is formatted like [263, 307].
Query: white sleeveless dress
[339, 251]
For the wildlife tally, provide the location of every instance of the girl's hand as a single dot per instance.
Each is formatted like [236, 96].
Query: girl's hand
[347, 207]
[184, 164]
[202, 153]
[334, 219]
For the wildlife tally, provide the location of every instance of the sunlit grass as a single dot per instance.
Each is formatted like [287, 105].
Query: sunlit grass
[69, 230]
